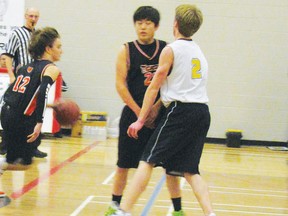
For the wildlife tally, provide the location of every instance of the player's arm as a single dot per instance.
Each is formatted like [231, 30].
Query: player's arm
[165, 62]
[121, 81]
[11, 49]
[50, 75]
[150, 120]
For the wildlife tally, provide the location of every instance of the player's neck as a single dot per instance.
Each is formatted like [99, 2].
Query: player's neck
[178, 36]
[46, 57]
[145, 42]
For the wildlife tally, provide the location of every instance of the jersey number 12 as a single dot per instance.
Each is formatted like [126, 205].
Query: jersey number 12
[21, 83]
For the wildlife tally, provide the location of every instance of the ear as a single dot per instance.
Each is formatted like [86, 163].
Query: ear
[175, 24]
[156, 27]
[48, 49]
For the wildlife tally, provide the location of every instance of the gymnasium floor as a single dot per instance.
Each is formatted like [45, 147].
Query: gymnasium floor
[76, 180]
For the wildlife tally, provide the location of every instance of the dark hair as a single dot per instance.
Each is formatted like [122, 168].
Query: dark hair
[147, 12]
[40, 39]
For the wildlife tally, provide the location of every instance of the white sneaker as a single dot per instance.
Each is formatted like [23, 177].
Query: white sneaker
[212, 214]
[119, 212]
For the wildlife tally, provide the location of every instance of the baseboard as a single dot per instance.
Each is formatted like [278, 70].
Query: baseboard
[247, 142]
[223, 141]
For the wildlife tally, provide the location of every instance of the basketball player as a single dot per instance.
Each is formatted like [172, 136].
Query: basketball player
[135, 67]
[25, 99]
[17, 55]
[178, 140]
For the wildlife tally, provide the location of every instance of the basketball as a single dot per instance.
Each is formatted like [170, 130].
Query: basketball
[66, 112]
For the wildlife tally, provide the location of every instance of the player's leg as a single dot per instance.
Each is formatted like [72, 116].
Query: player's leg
[138, 184]
[201, 192]
[119, 184]
[37, 153]
[120, 180]
[173, 186]
[3, 144]
[200, 122]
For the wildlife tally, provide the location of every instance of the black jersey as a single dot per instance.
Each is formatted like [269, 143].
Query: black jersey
[142, 64]
[22, 93]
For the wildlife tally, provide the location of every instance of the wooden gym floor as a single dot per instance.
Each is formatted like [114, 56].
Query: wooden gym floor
[76, 180]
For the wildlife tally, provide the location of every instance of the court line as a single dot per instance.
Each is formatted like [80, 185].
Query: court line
[153, 196]
[26, 188]
[189, 203]
[217, 210]
[108, 179]
[82, 206]
[248, 189]
[242, 193]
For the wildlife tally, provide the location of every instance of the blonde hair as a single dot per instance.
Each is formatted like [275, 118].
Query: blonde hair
[189, 19]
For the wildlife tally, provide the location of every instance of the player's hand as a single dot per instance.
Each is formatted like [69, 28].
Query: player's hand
[37, 130]
[134, 128]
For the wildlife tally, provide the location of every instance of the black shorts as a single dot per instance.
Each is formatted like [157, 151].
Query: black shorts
[129, 149]
[16, 128]
[177, 142]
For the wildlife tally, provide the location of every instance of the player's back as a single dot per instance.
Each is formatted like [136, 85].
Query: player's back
[23, 91]
[187, 80]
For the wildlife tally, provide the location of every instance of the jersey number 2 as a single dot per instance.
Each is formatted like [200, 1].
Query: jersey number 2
[196, 69]
[21, 83]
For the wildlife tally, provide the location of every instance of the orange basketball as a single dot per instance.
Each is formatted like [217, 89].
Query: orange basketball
[67, 112]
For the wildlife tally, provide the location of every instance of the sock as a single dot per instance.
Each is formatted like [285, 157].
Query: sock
[177, 203]
[116, 198]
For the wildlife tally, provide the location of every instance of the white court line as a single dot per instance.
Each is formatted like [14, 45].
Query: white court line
[108, 179]
[82, 206]
[242, 193]
[229, 205]
[249, 194]
[249, 189]
[217, 210]
[171, 208]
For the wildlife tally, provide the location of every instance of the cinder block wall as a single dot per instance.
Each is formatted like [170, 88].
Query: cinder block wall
[245, 43]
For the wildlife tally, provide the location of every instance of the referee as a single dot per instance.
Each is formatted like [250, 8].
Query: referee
[17, 55]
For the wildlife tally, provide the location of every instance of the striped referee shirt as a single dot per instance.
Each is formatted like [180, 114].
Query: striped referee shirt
[17, 46]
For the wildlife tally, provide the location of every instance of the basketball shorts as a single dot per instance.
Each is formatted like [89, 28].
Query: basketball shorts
[130, 149]
[17, 127]
[177, 142]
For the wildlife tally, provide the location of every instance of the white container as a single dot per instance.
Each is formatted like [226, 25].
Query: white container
[113, 132]
[100, 133]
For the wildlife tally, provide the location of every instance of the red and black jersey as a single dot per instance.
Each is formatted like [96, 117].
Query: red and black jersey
[22, 93]
[142, 63]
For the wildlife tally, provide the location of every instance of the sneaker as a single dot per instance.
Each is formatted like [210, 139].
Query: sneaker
[178, 213]
[58, 135]
[39, 154]
[212, 214]
[2, 194]
[119, 212]
[114, 206]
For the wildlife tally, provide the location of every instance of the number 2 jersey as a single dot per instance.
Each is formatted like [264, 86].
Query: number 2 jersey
[187, 81]
[21, 95]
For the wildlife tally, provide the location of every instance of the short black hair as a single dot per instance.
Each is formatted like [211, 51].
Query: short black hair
[147, 12]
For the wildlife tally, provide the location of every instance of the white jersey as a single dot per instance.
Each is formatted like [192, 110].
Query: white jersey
[187, 81]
